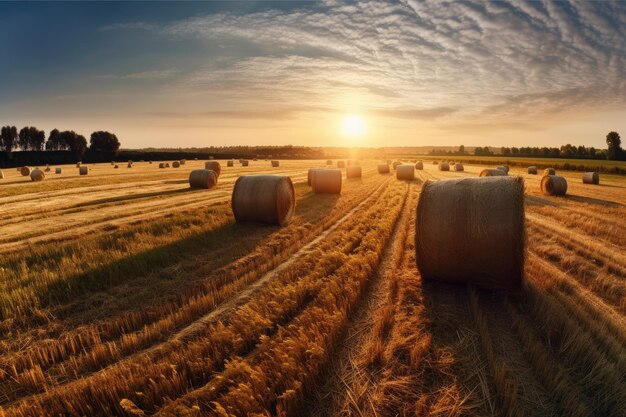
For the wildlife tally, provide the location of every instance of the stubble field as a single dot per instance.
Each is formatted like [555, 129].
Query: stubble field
[124, 292]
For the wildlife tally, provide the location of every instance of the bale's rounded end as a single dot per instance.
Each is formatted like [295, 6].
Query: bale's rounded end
[353, 171]
[214, 166]
[383, 169]
[37, 175]
[553, 185]
[267, 199]
[326, 181]
[405, 172]
[202, 178]
[591, 178]
[492, 172]
[25, 171]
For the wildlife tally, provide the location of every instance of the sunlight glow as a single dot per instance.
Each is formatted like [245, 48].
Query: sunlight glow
[353, 127]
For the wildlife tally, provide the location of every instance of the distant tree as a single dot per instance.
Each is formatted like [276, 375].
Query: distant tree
[31, 139]
[462, 150]
[515, 151]
[54, 141]
[76, 143]
[614, 143]
[8, 136]
[23, 138]
[104, 142]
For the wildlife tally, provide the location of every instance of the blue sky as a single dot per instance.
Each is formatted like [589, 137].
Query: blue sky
[512, 73]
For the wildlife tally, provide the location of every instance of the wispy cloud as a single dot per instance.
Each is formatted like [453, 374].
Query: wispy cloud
[142, 75]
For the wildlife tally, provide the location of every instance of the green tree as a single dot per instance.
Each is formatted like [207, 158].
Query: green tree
[8, 138]
[614, 143]
[76, 143]
[31, 139]
[54, 141]
[104, 142]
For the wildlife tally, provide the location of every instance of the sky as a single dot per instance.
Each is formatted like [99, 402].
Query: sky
[413, 73]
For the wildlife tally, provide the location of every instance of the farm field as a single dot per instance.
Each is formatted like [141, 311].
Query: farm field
[125, 292]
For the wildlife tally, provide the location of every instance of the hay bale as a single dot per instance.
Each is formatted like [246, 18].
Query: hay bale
[48, 168]
[326, 181]
[435, 163]
[532, 170]
[504, 168]
[591, 178]
[25, 171]
[176, 164]
[130, 164]
[275, 164]
[245, 163]
[112, 163]
[395, 164]
[419, 165]
[183, 161]
[1, 175]
[459, 167]
[264, 198]
[215, 167]
[549, 171]
[553, 185]
[37, 175]
[383, 169]
[471, 230]
[353, 171]
[116, 166]
[150, 162]
[83, 170]
[162, 165]
[444, 166]
[341, 164]
[202, 178]
[492, 172]
[329, 162]
[210, 157]
[58, 170]
[78, 164]
[405, 172]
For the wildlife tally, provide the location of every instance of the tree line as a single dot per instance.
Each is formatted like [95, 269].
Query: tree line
[30, 138]
[614, 151]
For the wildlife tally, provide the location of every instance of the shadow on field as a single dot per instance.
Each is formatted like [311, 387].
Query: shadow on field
[590, 200]
[132, 197]
[540, 201]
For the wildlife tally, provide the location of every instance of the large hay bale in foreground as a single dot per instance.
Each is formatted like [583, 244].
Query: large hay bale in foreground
[230, 163]
[176, 164]
[264, 198]
[58, 170]
[83, 170]
[444, 166]
[215, 167]
[275, 164]
[37, 175]
[353, 171]
[202, 178]
[492, 172]
[405, 172]
[504, 168]
[471, 230]
[25, 171]
[532, 170]
[591, 178]
[383, 169]
[549, 171]
[341, 164]
[419, 165]
[553, 185]
[326, 181]
[459, 167]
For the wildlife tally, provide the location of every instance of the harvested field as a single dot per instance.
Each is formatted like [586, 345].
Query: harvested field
[127, 293]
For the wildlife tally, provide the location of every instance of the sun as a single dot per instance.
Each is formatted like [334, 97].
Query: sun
[353, 127]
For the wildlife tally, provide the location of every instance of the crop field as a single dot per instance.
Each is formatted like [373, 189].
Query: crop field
[127, 293]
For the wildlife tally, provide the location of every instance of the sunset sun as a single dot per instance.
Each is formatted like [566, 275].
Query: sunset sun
[353, 127]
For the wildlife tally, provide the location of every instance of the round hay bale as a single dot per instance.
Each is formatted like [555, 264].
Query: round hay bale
[329, 162]
[25, 171]
[459, 167]
[275, 164]
[112, 163]
[215, 167]
[549, 171]
[471, 230]
[78, 164]
[591, 178]
[532, 170]
[202, 178]
[341, 164]
[395, 164]
[353, 171]
[83, 170]
[48, 168]
[435, 163]
[183, 161]
[326, 181]
[245, 163]
[492, 172]
[37, 175]
[405, 172]
[444, 166]
[504, 168]
[116, 166]
[230, 163]
[383, 169]
[264, 198]
[176, 164]
[419, 165]
[553, 185]
[162, 165]
[130, 164]
[150, 162]
[58, 170]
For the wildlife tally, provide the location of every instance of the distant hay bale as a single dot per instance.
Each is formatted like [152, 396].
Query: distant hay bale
[202, 178]
[395, 164]
[245, 163]
[130, 164]
[326, 181]
[112, 163]
[444, 166]
[353, 171]
[419, 165]
[210, 157]
[116, 166]
[37, 175]
[435, 163]
[215, 167]
[150, 162]
[25, 171]
[504, 168]
[405, 172]
[492, 172]
[341, 164]
[78, 164]
[83, 170]
[162, 165]
[532, 170]
[383, 169]
[176, 164]
[58, 170]
[183, 161]
[264, 198]
[549, 171]
[591, 178]
[167, 165]
[275, 164]
[459, 167]
[230, 163]
[48, 168]
[471, 230]
[553, 185]
[329, 162]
